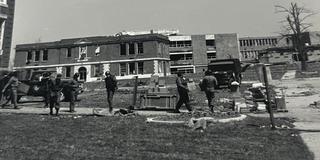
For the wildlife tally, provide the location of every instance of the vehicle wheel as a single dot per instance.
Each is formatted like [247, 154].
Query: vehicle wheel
[61, 96]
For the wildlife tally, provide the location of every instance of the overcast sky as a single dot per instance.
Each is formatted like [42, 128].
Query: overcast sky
[50, 20]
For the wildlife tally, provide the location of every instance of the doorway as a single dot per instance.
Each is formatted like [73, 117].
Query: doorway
[83, 74]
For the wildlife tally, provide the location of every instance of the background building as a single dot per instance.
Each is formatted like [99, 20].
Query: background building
[123, 55]
[284, 51]
[192, 53]
[6, 28]
[250, 47]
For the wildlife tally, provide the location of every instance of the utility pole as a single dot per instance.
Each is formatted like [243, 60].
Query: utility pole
[266, 83]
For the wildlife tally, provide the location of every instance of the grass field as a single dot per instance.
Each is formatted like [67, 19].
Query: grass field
[74, 137]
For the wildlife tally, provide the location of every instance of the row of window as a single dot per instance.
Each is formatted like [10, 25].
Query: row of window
[258, 42]
[181, 70]
[131, 68]
[37, 56]
[173, 44]
[131, 48]
[249, 54]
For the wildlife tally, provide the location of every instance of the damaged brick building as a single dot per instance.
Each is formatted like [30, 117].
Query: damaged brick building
[123, 55]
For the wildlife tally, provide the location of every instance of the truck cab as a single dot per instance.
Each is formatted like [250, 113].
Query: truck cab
[226, 70]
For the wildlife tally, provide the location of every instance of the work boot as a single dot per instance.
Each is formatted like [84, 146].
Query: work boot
[51, 112]
[57, 111]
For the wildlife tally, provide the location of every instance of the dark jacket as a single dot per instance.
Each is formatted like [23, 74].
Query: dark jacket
[111, 83]
[209, 83]
[55, 87]
[182, 84]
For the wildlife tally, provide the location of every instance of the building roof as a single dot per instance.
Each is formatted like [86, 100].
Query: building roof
[97, 40]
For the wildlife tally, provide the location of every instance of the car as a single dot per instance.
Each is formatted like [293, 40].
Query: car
[32, 85]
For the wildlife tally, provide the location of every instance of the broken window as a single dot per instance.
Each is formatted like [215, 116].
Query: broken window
[45, 55]
[97, 51]
[83, 53]
[123, 49]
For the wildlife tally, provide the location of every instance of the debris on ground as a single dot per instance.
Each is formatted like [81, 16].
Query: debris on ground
[315, 104]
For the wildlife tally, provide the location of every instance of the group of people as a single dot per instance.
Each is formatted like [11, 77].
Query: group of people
[53, 87]
[208, 85]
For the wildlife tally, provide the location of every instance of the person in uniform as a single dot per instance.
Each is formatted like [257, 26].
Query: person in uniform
[45, 80]
[55, 86]
[13, 83]
[182, 87]
[3, 81]
[209, 83]
[73, 89]
[111, 87]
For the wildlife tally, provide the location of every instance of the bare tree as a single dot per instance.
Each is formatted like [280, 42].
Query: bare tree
[294, 27]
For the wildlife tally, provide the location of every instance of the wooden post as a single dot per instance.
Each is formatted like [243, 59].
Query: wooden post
[135, 90]
[268, 96]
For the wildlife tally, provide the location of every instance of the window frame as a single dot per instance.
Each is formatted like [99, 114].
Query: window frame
[69, 52]
[37, 54]
[123, 49]
[140, 47]
[83, 52]
[68, 72]
[131, 49]
[45, 51]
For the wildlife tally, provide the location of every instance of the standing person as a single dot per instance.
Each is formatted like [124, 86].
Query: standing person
[182, 86]
[13, 83]
[111, 87]
[45, 80]
[55, 86]
[73, 88]
[209, 83]
[3, 81]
